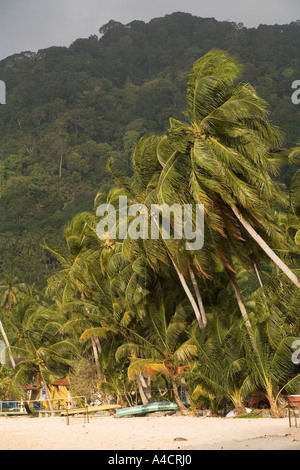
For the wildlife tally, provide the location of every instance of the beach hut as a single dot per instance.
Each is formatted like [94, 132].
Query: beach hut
[59, 394]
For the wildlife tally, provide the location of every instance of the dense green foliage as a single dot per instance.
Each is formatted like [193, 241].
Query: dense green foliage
[70, 109]
[219, 322]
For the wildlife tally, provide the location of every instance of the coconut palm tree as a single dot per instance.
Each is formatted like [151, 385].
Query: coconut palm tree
[273, 317]
[227, 150]
[221, 369]
[78, 287]
[43, 354]
[161, 254]
[159, 343]
[10, 290]
[223, 157]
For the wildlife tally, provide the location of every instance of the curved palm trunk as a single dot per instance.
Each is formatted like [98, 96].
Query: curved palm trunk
[179, 403]
[243, 310]
[198, 309]
[142, 392]
[199, 298]
[191, 298]
[44, 385]
[95, 345]
[235, 286]
[185, 390]
[147, 387]
[12, 361]
[259, 278]
[265, 247]
[257, 274]
[96, 357]
[48, 397]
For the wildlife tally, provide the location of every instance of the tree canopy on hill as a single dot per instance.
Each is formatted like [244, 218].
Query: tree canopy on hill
[71, 109]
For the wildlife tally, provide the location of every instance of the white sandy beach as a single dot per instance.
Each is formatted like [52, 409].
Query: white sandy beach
[147, 433]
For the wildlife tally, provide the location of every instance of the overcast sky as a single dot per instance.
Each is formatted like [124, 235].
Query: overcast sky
[37, 24]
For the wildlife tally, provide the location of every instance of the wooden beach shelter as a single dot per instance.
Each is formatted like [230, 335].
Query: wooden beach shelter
[59, 394]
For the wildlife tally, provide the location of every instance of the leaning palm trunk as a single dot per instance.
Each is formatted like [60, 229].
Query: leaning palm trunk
[143, 395]
[179, 403]
[95, 345]
[44, 385]
[259, 278]
[146, 387]
[257, 274]
[243, 310]
[265, 247]
[96, 357]
[185, 390]
[197, 310]
[48, 398]
[199, 298]
[239, 299]
[7, 345]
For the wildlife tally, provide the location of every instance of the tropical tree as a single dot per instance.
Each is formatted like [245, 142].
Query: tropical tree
[220, 369]
[223, 158]
[10, 290]
[274, 312]
[160, 254]
[159, 343]
[43, 354]
[77, 286]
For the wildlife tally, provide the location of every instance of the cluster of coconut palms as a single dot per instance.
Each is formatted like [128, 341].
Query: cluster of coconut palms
[211, 324]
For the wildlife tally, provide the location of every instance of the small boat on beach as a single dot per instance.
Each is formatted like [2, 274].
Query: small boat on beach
[149, 408]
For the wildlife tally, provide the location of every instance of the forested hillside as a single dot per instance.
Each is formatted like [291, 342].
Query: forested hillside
[69, 109]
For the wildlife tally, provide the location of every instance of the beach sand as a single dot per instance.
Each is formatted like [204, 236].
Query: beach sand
[147, 433]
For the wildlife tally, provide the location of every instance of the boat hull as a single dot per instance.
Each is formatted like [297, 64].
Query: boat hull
[149, 408]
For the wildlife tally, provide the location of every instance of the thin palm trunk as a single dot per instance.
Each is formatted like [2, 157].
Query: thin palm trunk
[96, 357]
[243, 310]
[179, 403]
[185, 390]
[48, 397]
[12, 361]
[198, 296]
[259, 278]
[146, 387]
[143, 395]
[257, 274]
[265, 247]
[198, 309]
[190, 297]
[98, 344]
[44, 385]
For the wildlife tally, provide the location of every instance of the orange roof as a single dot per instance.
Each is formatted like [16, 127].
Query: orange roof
[30, 387]
[62, 382]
